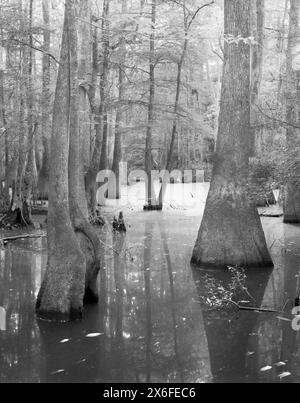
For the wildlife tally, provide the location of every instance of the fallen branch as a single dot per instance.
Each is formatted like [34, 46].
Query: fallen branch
[25, 236]
[248, 308]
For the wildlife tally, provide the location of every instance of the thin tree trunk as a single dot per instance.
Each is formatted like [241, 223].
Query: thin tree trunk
[44, 172]
[99, 158]
[19, 214]
[176, 105]
[148, 151]
[231, 232]
[30, 171]
[90, 177]
[118, 138]
[292, 196]
[117, 158]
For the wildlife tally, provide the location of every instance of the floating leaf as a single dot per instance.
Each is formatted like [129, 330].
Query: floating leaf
[64, 341]
[59, 371]
[284, 375]
[94, 335]
[280, 364]
[266, 368]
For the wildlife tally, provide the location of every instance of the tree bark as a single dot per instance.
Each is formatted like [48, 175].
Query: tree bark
[117, 158]
[63, 288]
[99, 158]
[43, 180]
[19, 213]
[148, 150]
[84, 68]
[292, 193]
[176, 105]
[258, 25]
[231, 232]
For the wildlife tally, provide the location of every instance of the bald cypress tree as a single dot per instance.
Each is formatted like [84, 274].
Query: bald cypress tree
[231, 232]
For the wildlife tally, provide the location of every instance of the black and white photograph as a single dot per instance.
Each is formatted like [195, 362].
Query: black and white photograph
[149, 194]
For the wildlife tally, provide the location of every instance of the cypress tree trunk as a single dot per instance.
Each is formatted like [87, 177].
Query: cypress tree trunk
[99, 159]
[292, 194]
[258, 25]
[231, 232]
[62, 291]
[84, 68]
[43, 179]
[117, 158]
[148, 151]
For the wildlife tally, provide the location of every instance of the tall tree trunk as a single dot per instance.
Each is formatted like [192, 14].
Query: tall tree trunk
[90, 177]
[258, 25]
[99, 158]
[176, 105]
[30, 170]
[84, 69]
[231, 232]
[117, 158]
[292, 196]
[44, 172]
[62, 292]
[148, 150]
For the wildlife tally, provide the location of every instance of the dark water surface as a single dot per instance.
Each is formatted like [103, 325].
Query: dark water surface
[153, 323]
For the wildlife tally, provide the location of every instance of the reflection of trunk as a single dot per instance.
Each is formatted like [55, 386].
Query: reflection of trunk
[292, 197]
[83, 359]
[147, 278]
[228, 339]
[148, 151]
[231, 232]
[118, 241]
[172, 290]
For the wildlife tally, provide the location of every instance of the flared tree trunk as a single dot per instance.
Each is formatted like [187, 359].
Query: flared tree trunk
[72, 261]
[231, 232]
[292, 194]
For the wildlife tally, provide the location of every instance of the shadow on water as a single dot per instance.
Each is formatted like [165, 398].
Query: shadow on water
[152, 323]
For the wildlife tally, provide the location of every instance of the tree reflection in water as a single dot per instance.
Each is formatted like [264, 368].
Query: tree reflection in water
[149, 324]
